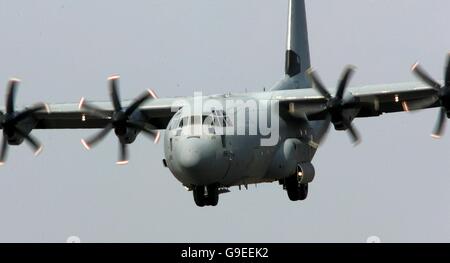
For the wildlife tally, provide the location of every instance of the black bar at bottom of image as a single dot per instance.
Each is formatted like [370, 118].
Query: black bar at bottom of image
[225, 252]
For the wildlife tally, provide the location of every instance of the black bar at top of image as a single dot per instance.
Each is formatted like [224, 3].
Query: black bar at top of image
[226, 252]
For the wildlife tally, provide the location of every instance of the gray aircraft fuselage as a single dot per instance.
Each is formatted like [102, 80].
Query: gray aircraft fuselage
[205, 158]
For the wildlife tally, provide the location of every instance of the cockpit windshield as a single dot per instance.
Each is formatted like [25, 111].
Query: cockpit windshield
[192, 120]
[214, 119]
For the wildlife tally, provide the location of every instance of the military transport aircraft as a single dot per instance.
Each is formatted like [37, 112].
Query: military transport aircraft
[209, 149]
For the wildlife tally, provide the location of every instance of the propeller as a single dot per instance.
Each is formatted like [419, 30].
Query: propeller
[314, 139]
[11, 120]
[336, 105]
[442, 95]
[120, 120]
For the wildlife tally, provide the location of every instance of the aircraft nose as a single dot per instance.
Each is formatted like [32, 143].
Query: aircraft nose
[197, 161]
[194, 154]
[191, 157]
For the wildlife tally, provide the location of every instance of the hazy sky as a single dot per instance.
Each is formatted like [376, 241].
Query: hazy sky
[394, 185]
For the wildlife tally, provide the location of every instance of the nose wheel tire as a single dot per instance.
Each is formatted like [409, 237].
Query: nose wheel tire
[199, 195]
[206, 196]
[295, 190]
[212, 198]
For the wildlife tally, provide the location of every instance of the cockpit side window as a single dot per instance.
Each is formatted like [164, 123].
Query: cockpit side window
[221, 119]
[184, 122]
[227, 121]
[175, 121]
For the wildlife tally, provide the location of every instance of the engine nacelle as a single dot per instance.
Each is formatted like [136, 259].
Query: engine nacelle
[25, 126]
[348, 114]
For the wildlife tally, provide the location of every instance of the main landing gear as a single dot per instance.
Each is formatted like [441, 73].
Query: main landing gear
[295, 190]
[206, 195]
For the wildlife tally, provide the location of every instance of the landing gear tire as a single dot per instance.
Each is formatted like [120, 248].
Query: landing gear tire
[199, 195]
[210, 197]
[295, 190]
[302, 192]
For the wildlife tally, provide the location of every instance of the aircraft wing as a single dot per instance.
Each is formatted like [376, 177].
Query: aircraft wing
[378, 99]
[146, 113]
[157, 112]
[371, 100]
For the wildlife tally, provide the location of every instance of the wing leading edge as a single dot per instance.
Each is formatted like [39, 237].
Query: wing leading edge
[158, 113]
[374, 100]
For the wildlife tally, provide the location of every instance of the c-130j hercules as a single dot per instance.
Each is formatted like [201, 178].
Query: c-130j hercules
[210, 149]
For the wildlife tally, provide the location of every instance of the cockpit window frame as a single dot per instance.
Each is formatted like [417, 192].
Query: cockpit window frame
[217, 119]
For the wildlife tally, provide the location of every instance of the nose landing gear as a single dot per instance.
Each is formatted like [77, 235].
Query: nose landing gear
[206, 195]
